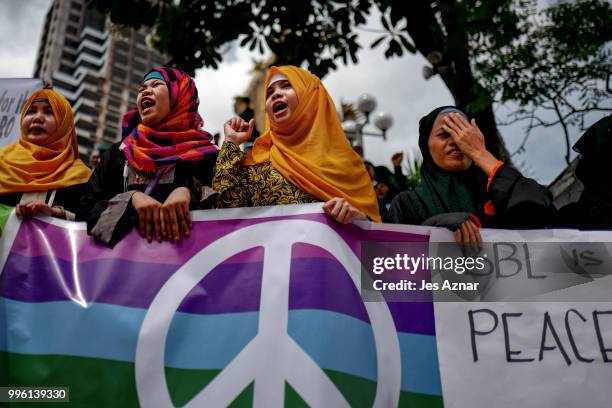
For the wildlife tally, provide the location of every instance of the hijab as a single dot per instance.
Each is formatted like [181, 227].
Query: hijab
[442, 191]
[595, 148]
[310, 148]
[177, 137]
[55, 163]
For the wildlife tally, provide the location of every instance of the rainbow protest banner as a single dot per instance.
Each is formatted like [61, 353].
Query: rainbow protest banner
[258, 307]
[261, 307]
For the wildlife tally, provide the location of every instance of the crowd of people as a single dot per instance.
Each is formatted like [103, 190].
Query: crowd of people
[166, 165]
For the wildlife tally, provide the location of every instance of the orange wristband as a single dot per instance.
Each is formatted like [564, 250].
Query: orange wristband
[497, 166]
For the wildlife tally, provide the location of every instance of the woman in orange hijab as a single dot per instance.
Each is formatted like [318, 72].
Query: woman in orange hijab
[303, 155]
[42, 172]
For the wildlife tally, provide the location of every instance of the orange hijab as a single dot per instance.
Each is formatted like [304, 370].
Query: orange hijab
[25, 166]
[311, 150]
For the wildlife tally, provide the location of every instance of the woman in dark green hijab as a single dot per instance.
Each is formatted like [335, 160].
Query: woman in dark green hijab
[463, 186]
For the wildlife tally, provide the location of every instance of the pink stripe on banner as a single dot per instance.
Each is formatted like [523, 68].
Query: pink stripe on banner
[36, 238]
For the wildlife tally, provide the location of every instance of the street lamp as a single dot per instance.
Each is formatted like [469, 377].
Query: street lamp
[354, 128]
[435, 58]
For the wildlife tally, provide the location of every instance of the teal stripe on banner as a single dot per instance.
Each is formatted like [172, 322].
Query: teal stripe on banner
[111, 332]
[420, 372]
[208, 341]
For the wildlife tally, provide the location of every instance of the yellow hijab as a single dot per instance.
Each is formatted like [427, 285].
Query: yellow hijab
[311, 150]
[25, 166]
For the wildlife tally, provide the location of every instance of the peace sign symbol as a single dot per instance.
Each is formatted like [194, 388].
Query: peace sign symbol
[284, 360]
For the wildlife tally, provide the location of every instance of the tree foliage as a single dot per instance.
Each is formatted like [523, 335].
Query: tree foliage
[558, 71]
[477, 47]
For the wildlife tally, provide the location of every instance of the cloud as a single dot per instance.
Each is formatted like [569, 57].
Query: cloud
[217, 88]
[21, 24]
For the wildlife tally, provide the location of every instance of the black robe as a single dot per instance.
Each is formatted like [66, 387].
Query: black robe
[67, 197]
[516, 202]
[107, 182]
[593, 210]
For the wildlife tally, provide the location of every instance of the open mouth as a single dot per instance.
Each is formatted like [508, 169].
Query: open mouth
[279, 107]
[146, 104]
[36, 129]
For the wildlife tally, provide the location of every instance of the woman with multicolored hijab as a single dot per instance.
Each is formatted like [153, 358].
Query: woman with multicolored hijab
[155, 175]
[42, 172]
[303, 155]
[463, 186]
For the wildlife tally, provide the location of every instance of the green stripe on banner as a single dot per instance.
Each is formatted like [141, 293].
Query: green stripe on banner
[245, 399]
[5, 211]
[293, 399]
[109, 383]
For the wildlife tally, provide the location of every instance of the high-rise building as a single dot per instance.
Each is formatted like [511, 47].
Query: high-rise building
[95, 65]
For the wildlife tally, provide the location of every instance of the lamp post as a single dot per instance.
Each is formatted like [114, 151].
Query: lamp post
[354, 129]
[436, 60]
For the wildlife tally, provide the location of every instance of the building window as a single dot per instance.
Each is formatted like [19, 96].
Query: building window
[76, 6]
[88, 110]
[118, 74]
[139, 67]
[140, 54]
[89, 65]
[85, 141]
[66, 69]
[114, 103]
[158, 61]
[112, 119]
[137, 79]
[110, 134]
[121, 46]
[68, 56]
[121, 59]
[72, 30]
[71, 43]
[117, 90]
[94, 19]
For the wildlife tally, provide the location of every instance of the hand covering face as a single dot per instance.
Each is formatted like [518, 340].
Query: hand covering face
[443, 191]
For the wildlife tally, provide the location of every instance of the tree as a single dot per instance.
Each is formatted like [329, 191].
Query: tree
[453, 35]
[555, 75]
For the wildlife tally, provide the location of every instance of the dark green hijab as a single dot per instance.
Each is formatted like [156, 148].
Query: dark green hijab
[442, 191]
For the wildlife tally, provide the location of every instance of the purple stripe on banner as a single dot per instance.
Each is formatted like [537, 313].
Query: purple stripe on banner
[316, 283]
[227, 288]
[413, 317]
[322, 283]
[38, 238]
[319, 282]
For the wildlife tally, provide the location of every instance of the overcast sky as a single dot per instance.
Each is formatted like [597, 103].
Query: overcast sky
[397, 84]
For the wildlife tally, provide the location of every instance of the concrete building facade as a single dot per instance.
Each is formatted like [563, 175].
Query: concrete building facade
[97, 67]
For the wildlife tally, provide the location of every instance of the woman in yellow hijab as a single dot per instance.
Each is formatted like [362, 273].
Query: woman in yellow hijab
[42, 172]
[303, 155]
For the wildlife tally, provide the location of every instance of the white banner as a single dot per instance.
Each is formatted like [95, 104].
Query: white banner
[535, 353]
[14, 92]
